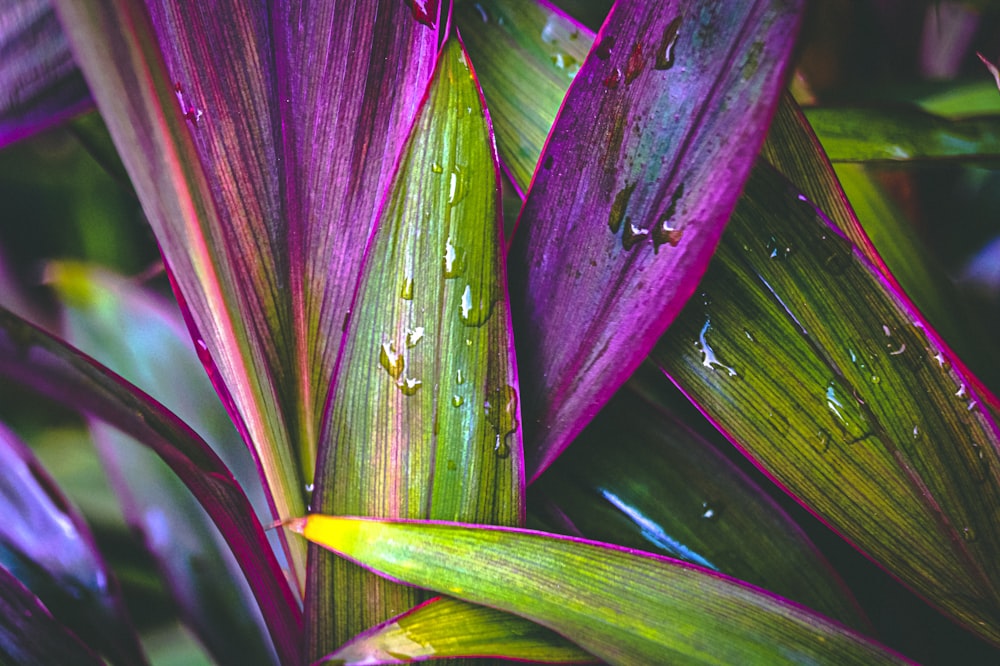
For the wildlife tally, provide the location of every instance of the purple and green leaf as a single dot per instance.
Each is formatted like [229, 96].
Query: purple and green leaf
[36, 360]
[623, 606]
[138, 335]
[638, 477]
[813, 365]
[45, 543]
[424, 416]
[641, 170]
[30, 635]
[40, 85]
[444, 628]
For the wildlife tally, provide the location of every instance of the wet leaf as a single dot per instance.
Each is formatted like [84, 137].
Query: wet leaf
[593, 593]
[902, 134]
[30, 635]
[446, 628]
[424, 420]
[36, 360]
[40, 85]
[845, 396]
[46, 544]
[137, 334]
[638, 477]
[628, 202]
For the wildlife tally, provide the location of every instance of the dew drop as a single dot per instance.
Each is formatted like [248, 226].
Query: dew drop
[459, 377]
[665, 54]
[413, 336]
[390, 360]
[457, 187]
[501, 449]
[436, 168]
[618, 207]
[777, 249]
[969, 535]
[482, 12]
[476, 306]
[406, 289]
[613, 79]
[605, 46]
[409, 386]
[710, 511]
[453, 262]
[457, 401]
[846, 409]
[636, 63]
[425, 11]
[664, 231]
[633, 235]
[708, 357]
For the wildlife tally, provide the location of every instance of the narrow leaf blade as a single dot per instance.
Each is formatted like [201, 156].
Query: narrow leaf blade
[592, 593]
[138, 335]
[638, 477]
[40, 85]
[46, 544]
[444, 628]
[36, 360]
[424, 418]
[845, 397]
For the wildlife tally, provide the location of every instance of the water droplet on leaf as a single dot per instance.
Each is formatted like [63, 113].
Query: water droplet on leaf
[636, 63]
[409, 386]
[665, 53]
[391, 360]
[605, 46]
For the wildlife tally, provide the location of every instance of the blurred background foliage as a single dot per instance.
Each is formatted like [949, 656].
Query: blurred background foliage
[63, 195]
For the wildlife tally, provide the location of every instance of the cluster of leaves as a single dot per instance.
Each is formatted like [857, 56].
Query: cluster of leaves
[324, 184]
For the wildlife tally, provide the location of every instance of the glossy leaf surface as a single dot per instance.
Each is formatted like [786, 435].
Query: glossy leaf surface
[628, 202]
[36, 360]
[902, 134]
[593, 593]
[446, 628]
[46, 544]
[638, 477]
[424, 419]
[800, 352]
[39, 82]
[30, 635]
[135, 333]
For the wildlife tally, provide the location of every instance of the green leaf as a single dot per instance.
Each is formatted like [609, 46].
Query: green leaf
[424, 419]
[811, 363]
[638, 477]
[140, 336]
[902, 134]
[624, 606]
[445, 628]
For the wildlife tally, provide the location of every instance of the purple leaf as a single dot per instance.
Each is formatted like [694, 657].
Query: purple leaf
[30, 635]
[640, 173]
[40, 85]
[45, 542]
[43, 363]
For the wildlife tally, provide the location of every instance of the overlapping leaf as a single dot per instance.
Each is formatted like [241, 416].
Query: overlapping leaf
[639, 175]
[254, 165]
[640, 478]
[32, 358]
[424, 418]
[39, 82]
[445, 628]
[30, 635]
[138, 335]
[624, 606]
[45, 543]
[809, 361]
